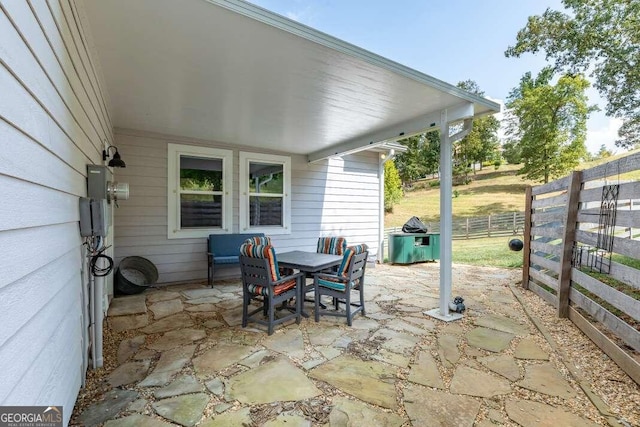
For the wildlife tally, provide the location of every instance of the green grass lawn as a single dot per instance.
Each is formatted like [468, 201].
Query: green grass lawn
[490, 251]
[491, 192]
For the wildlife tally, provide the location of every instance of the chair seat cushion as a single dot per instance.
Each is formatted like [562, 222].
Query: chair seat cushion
[226, 259]
[277, 290]
[333, 284]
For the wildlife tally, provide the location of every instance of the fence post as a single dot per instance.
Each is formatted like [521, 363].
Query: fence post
[527, 237]
[467, 229]
[489, 226]
[515, 226]
[571, 217]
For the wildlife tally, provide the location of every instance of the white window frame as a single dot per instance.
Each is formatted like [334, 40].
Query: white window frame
[173, 190]
[245, 159]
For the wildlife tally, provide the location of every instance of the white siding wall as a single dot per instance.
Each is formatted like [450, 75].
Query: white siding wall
[53, 122]
[335, 197]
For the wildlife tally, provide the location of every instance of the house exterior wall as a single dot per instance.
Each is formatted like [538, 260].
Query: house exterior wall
[332, 197]
[53, 122]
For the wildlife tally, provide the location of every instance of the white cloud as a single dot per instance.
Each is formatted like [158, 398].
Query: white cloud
[606, 135]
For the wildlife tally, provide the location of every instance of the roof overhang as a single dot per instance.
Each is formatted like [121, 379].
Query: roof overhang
[232, 72]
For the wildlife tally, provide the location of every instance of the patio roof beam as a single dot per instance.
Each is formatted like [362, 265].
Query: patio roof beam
[391, 134]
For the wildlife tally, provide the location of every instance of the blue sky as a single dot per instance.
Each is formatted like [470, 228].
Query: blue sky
[451, 40]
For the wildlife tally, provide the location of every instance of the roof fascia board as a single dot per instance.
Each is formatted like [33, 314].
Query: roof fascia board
[459, 112]
[306, 32]
[391, 134]
[422, 124]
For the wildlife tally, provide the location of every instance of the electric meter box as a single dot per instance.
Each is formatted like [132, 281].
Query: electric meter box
[94, 217]
[97, 178]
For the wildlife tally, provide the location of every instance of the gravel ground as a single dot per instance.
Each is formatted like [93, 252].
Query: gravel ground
[618, 391]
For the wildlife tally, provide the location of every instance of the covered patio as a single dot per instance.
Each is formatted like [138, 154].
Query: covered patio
[179, 355]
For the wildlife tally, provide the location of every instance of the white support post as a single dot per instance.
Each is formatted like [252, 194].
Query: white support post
[446, 224]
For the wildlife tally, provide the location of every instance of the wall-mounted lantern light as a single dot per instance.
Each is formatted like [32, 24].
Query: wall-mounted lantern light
[116, 162]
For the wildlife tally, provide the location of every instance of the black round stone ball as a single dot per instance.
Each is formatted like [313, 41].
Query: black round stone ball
[516, 245]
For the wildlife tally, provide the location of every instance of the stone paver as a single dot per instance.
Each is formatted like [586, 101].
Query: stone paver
[448, 350]
[280, 371]
[215, 386]
[219, 357]
[182, 385]
[503, 365]
[283, 382]
[370, 381]
[201, 293]
[158, 295]
[504, 324]
[240, 417]
[125, 323]
[166, 308]
[288, 342]
[348, 412]
[288, 420]
[546, 379]
[396, 341]
[201, 308]
[437, 408]
[114, 402]
[529, 349]
[137, 420]
[128, 373]
[425, 371]
[255, 359]
[134, 304]
[489, 339]
[170, 363]
[233, 317]
[535, 414]
[473, 382]
[400, 325]
[128, 347]
[181, 337]
[177, 321]
[204, 300]
[395, 359]
[185, 410]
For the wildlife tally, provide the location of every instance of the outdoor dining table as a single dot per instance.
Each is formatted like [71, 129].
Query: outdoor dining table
[308, 262]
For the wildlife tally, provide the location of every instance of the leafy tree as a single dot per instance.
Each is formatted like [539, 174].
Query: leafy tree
[392, 186]
[479, 145]
[603, 152]
[549, 123]
[512, 152]
[600, 37]
[422, 157]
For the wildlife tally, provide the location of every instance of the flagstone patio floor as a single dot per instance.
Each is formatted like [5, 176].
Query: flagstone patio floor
[177, 355]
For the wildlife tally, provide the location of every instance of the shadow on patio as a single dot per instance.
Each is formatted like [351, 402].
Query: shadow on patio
[179, 355]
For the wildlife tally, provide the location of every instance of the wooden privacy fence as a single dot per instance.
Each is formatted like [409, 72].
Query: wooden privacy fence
[580, 254]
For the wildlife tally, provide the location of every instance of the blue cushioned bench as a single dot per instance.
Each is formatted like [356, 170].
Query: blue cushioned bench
[224, 249]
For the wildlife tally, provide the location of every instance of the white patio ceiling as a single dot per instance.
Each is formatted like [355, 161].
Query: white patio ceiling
[229, 71]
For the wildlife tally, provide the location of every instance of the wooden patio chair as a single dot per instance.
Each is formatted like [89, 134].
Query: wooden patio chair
[261, 279]
[339, 285]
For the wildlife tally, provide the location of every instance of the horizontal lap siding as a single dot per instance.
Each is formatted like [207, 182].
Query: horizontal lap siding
[334, 197]
[53, 122]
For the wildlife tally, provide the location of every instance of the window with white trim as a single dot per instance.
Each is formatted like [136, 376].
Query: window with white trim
[200, 191]
[265, 188]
